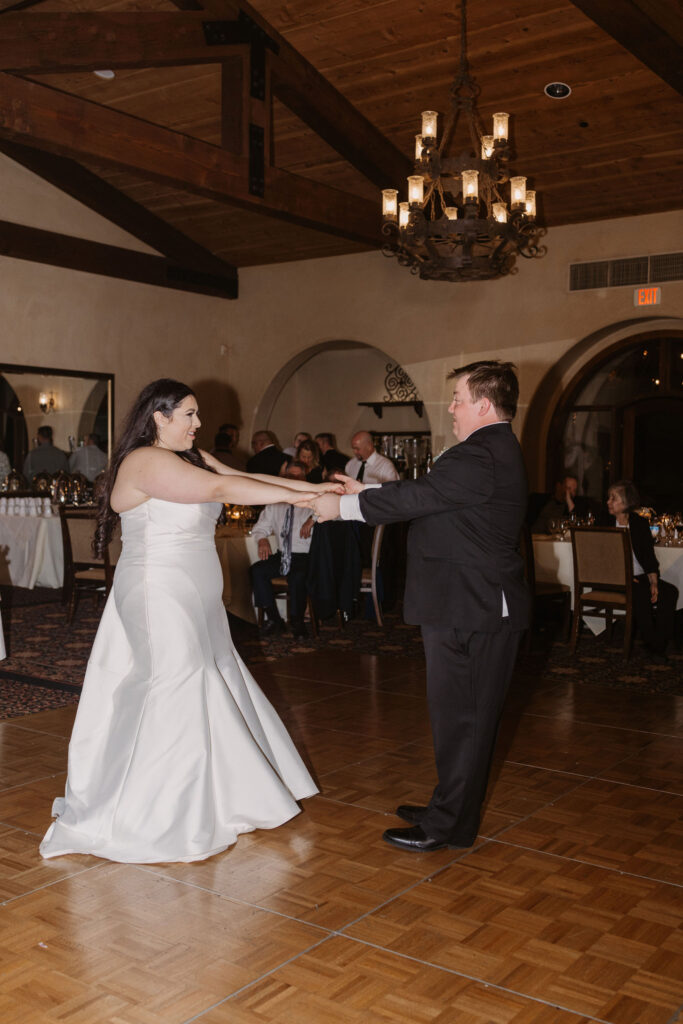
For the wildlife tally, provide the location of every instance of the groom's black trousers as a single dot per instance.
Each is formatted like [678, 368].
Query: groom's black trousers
[468, 675]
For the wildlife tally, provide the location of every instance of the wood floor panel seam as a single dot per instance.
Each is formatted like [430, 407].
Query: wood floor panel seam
[55, 881]
[602, 725]
[31, 782]
[250, 984]
[636, 785]
[473, 978]
[589, 863]
[14, 723]
[232, 899]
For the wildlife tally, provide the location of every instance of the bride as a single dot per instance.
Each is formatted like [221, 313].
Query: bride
[175, 750]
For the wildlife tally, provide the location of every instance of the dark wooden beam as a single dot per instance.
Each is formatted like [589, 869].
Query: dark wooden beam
[309, 95]
[44, 43]
[81, 184]
[25, 243]
[48, 119]
[636, 26]
[47, 43]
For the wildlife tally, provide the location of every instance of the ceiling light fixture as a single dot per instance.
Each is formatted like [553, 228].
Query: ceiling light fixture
[456, 224]
[106, 73]
[557, 90]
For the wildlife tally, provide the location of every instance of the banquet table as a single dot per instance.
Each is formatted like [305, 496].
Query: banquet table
[31, 551]
[236, 552]
[554, 563]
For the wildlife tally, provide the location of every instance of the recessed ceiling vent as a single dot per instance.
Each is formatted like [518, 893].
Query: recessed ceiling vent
[632, 271]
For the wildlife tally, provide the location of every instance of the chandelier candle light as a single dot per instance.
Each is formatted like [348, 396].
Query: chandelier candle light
[456, 225]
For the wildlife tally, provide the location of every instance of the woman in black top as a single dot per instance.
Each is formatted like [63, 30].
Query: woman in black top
[654, 600]
[308, 452]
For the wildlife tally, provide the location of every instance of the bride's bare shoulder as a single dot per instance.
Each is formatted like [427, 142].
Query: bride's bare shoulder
[141, 457]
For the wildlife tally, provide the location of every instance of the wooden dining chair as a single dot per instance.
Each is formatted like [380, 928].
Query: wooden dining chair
[603, 563]
[368, 580]
[543, 592]
[83, 571]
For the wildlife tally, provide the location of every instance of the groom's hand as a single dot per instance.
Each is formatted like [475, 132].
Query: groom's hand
[326, 507]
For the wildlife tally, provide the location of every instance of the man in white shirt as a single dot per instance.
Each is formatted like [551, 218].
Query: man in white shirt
[89, 460]
[368, 465]
[292, 527]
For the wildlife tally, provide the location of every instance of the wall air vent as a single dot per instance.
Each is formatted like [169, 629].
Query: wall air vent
[635, 270]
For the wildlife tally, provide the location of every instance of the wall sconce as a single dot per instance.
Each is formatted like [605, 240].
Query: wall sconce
[47, 405]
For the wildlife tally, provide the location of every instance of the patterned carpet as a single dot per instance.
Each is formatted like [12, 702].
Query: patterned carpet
[47, 658]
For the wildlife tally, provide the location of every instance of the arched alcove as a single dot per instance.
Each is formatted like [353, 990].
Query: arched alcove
[319, 390]
[586, 362]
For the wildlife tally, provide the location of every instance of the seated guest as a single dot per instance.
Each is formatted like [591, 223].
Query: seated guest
[267, 457]
[309, 453]
[330, 458]
[292, 527]
[367, 464]
[89, 460]
[563, 503]
[654, 600]
[298, 438]
[45, 458]
[224, 452]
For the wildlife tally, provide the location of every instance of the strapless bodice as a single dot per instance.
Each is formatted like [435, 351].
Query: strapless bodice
[158, 524]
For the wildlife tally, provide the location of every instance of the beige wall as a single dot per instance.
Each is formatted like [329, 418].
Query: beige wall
[240, 355]
[530, 317]
[323, 395]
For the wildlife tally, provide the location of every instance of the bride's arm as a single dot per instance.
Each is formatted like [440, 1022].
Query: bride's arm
[158, 473]
[295, 485]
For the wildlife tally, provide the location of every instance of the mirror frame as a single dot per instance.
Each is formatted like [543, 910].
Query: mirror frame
[87, 375]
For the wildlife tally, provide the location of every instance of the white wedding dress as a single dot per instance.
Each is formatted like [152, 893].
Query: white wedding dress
[175, 750]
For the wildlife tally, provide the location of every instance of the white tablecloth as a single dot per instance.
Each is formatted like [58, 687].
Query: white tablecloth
[237, 551]
[553, 560]
[31, 551]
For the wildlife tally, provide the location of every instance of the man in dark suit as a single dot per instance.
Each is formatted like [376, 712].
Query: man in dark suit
[267, 457]
[465, 587]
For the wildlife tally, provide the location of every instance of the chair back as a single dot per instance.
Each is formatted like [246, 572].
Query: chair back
[78, 530]
[602, 557]
[376, 548]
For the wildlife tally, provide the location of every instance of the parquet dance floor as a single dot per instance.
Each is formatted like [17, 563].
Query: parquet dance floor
[568, 910]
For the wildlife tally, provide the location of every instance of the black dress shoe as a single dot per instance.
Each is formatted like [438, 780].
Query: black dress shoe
[298, 628]
[271, 627]
[413, 839]
[412, 813]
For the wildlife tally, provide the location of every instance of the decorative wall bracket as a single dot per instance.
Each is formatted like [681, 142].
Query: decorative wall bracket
[400, 391]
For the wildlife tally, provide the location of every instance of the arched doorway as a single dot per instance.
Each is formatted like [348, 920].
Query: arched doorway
[331, 387]
[622, 417]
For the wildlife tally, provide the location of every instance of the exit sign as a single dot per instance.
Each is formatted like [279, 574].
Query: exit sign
[647, 296]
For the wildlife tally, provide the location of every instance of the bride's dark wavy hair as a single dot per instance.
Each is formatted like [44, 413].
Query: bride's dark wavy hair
[139, 431]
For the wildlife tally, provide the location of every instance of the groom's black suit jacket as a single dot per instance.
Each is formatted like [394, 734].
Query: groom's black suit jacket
[463, 540]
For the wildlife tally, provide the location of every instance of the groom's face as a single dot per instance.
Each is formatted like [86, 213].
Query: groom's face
[466, 413]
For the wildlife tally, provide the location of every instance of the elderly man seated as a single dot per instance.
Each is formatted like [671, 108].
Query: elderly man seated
[563, 502]
[292, 527]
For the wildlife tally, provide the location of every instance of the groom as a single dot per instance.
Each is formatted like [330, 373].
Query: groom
[465, 587]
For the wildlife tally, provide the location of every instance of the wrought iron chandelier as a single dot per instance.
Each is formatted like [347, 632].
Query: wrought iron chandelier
[456, 224]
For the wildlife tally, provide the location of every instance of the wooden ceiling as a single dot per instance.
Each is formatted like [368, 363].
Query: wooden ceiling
[348, 83]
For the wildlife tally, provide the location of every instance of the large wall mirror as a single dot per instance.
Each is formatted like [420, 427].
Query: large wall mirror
[75, 404]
